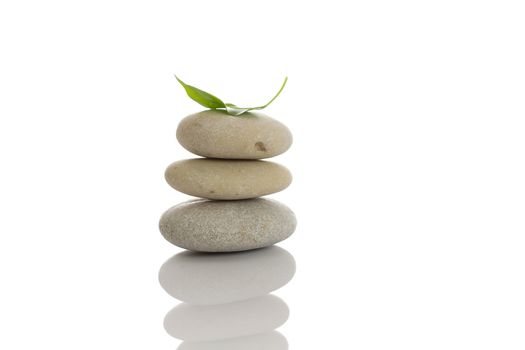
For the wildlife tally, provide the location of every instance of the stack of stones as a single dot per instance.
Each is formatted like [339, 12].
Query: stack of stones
[230, 179]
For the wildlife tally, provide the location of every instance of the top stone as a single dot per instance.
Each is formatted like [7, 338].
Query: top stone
[216, 134]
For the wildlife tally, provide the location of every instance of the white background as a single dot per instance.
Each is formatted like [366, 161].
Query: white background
[408, 163]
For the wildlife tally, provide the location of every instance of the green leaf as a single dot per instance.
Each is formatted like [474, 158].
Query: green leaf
[235, 110]
[208, 100]
[202, 97]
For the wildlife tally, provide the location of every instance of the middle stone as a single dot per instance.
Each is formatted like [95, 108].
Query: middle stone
[227, 179]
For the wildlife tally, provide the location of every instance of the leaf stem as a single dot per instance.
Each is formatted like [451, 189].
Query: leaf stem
[278, 93]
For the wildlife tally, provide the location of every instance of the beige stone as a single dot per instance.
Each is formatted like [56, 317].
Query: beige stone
[227, 226]
[216, 134]
[227, 179]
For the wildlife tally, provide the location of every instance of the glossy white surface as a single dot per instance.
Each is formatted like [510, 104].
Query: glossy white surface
[408, 123]
[208, 279]
[233, 320]
[270, 341]
[225, 300]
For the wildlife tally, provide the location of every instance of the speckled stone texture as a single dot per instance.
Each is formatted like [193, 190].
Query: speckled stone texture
[227, 226]
[227, 179]
[216, 134]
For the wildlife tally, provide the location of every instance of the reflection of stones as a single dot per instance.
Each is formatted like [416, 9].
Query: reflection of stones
[203, 279]
[227, 226]
[225, 297]
[239, 319]
[271, 341]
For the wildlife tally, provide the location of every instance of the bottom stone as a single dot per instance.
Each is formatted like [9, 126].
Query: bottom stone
[227, 226]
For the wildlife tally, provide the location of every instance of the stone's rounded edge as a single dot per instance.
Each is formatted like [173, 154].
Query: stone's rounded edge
[227, 179]
[167, 172]
[227, 226]
[183, 138]
[171, 178]
[216, 134]
[164, 222]
[288, 173]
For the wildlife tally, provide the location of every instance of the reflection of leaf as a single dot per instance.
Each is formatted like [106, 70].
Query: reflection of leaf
[208, 100]
[202, 97]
